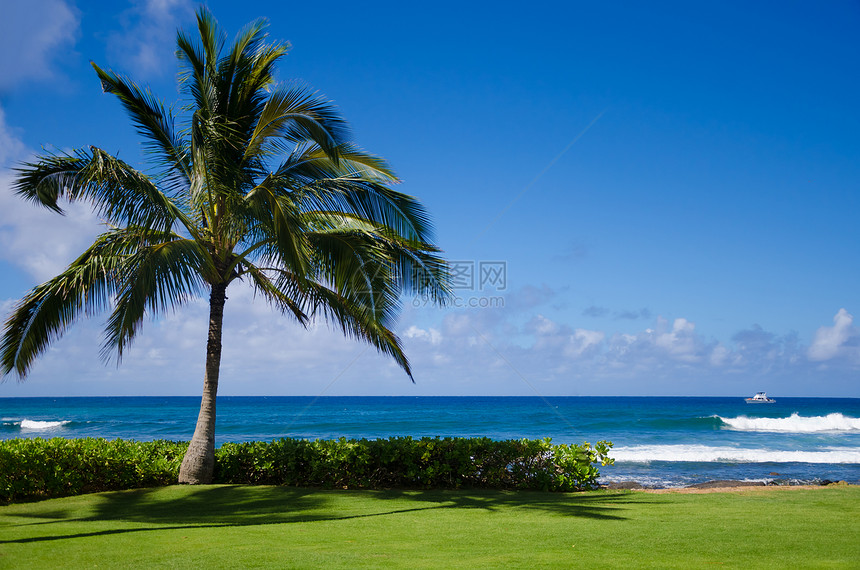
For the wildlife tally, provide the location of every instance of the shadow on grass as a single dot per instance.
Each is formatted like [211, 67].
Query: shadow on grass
[175, 508]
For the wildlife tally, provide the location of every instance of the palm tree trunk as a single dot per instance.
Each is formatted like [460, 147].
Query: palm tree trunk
[199, 461]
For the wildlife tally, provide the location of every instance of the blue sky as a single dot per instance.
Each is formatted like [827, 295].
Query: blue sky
[670, 188]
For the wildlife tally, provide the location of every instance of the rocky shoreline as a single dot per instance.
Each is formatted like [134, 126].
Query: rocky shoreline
[721, 484]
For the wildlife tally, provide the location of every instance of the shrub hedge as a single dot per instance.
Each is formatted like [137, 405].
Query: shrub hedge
[43, 468]
[39, 468]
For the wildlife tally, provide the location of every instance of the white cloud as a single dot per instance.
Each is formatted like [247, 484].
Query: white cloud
[431, 335]
[264, 353]
[31, 237]
[458, 324]
[830, 342]
[467, 352]
[660, 346]
[581, 341]
[543, 327]
[39, 241]
[146, 42]
[670, 357]
[562, 341]
[32, 33]
[269, 354]
[11, 147]
[719, 355]
[681, 342]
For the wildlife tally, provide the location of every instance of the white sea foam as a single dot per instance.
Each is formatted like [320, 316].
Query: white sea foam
[704, 453]
[35, 424]
[649, 480]
[795, 423]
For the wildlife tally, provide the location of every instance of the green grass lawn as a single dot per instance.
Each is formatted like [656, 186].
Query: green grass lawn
[240, 526]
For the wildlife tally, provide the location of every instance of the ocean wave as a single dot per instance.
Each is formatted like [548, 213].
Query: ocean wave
[795, 423]
[36, 424]
[689, 423]
[707, 454]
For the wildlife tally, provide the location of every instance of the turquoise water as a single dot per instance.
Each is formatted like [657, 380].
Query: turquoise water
[659, 441]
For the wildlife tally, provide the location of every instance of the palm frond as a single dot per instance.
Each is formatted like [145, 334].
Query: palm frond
[356, 268]
[356, 183]
[269, 291]
[372, 201]
[86, 286]
[409, 266]
[118, 192]
[354, 319]
[357, 163]
[160, 276]
[296, 115]
[201, 62]
[275, 227]
[244, 74]
[153, 121]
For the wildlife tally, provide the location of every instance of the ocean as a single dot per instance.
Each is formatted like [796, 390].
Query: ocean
[658, 441]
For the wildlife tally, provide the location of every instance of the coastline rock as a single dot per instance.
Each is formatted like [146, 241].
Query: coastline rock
[726, 483]
[799, 482]
[623, 485]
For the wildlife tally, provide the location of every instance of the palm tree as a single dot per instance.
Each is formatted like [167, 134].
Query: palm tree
[261, 184]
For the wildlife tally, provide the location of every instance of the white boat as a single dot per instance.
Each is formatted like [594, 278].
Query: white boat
[760, 398]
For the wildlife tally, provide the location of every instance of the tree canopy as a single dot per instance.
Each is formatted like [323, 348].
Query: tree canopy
[247, 180]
